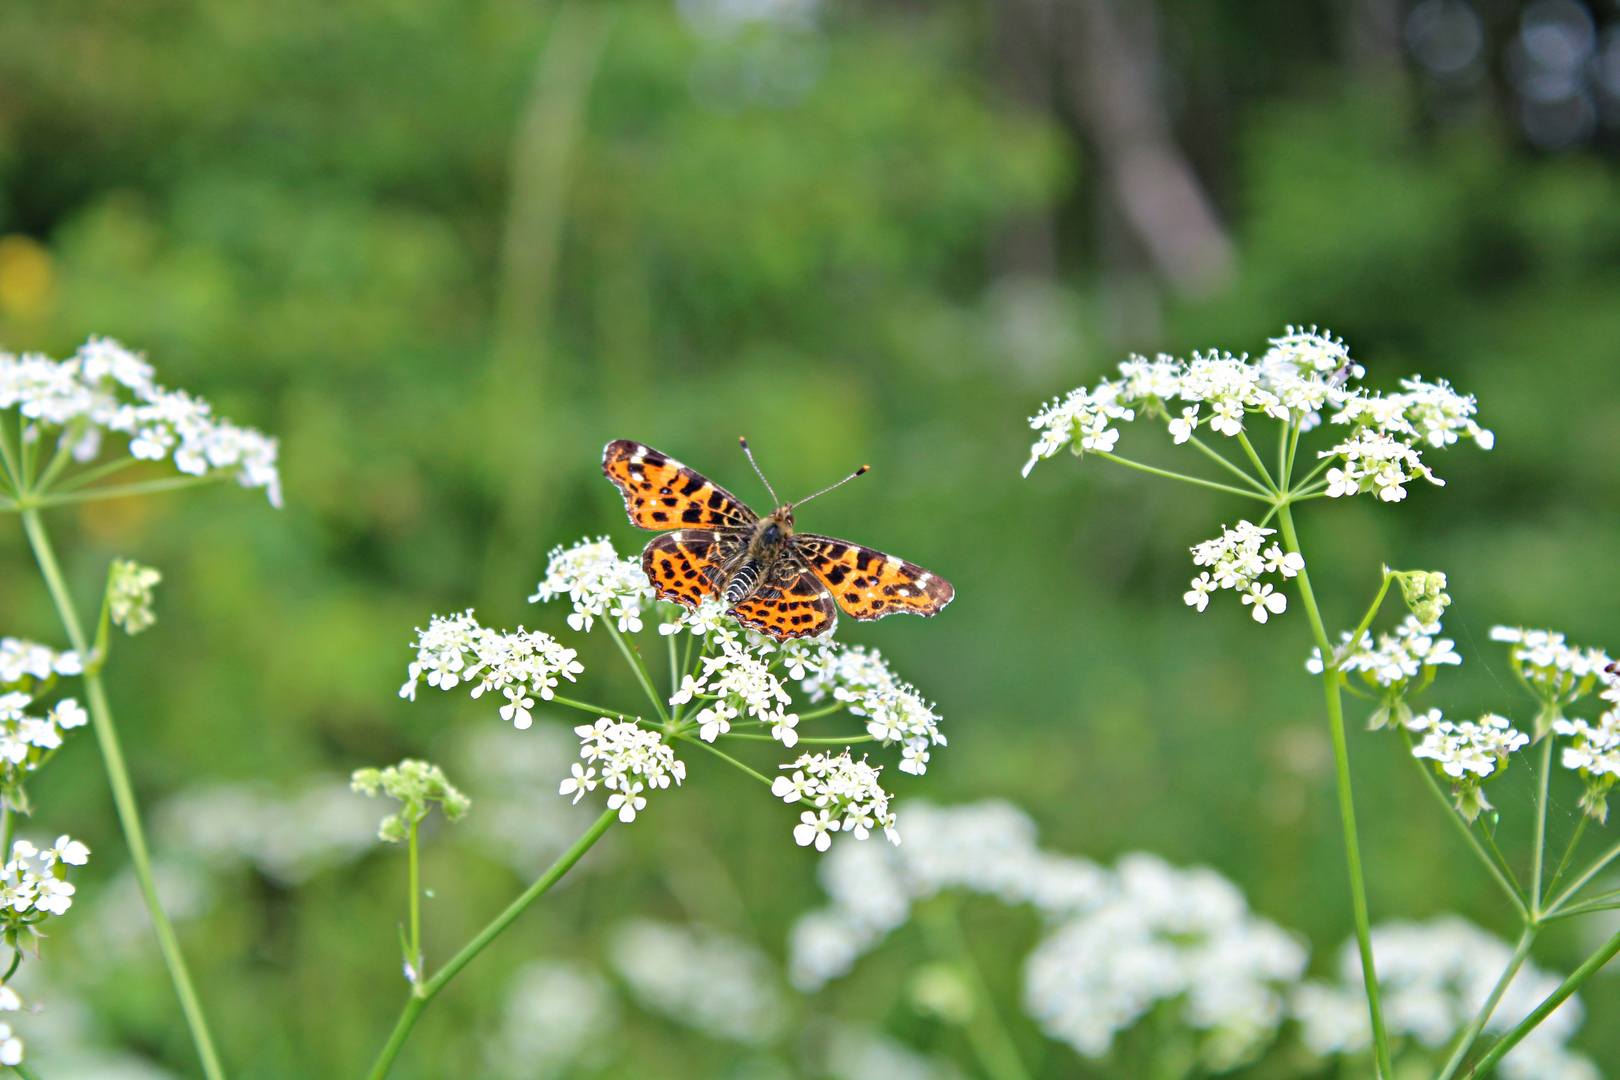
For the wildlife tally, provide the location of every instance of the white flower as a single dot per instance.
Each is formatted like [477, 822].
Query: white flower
[26, 660]
[845, 791]
[598, 583]
[522, 665]
[632, 760]
[1558, 671]
[1477, 747]
[1182, 428]
[68, 714]
[1198, 595]
[703, 979]
[894, 710]
[1396, 658]
[104, 388]
[11, 1047]
[1433, 978]
[1080, 421]
[577, 785]
[1265, 601]
[9, 1001]
[815, 828]
[129, 595]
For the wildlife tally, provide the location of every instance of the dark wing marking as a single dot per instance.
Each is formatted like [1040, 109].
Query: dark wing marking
[661, 493]
[686, 565]
[789, 603]
[869, 584]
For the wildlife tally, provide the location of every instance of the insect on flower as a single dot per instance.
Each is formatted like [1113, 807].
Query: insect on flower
[776, 581]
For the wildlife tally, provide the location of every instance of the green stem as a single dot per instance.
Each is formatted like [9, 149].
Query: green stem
[416, 911]
[633, 658]
[8, 827]
[991, 1041]
[8, 458]
[1228, 488]
[59, 459]
[830, 740]
[124, 797]
[144, 487]
[1347, 810]
[424, 993]
[1538, 853]
[24, 1071]
[828, 710]
[1293, 453]
[674, 671]
[1593, 964]
[1587, 875]
[1502, 873]
[90, 476]
[1483, 1017]
[585, 706]
[1372, 611]
[1569, 852]
[1226, 463]
[719, 753]
[1254, 458]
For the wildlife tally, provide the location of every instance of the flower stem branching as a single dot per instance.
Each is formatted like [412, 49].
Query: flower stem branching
[1576, 980]
[1228, 488]
[1481, 1018]
[633, 658]
[1226, 463]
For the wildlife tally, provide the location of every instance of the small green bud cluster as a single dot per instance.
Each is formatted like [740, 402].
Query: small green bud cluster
[416, 784]
[1425, 593]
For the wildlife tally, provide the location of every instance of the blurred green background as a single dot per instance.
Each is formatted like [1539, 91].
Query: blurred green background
[446, 249]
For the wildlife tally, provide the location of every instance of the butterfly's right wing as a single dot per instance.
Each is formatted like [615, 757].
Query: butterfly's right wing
[869, 584]
[687, 565]
[661, 493]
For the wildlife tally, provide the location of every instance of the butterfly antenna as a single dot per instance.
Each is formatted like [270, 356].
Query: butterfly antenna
[840, 483]
[755, 464]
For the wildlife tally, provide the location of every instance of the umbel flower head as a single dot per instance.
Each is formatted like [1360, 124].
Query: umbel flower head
[416, 784]
[129, 595]
[732, 683]
[1467, 753]
[104, 389]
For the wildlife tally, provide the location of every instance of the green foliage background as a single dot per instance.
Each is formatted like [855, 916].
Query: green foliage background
[298, 209]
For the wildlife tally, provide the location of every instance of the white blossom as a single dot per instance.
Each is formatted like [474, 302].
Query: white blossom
[1556, 670]
[1394, 660]
[11, 1047]
[1433, 978]
[522, 665]
[20, 660]
[701, 978]
[1236, 561]
[894, 710]
[598, 583]
[844, 794]
[129, 595]
[104, 388]
[1477, 747]
[631, 759]
[1080, 421]
[738, 681]
[32, 883]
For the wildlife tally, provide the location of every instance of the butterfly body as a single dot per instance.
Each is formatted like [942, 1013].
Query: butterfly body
[771, 578]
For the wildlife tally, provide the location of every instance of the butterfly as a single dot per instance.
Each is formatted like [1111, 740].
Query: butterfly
[772, 579]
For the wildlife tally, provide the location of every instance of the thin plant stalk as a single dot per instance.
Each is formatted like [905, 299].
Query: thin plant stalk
[1228, 488]
[417, 963]
[123, 792]
[1569, 852]
[1577, 978]
[1483, 1017]
[424, 992]
[1347, 809]
[1586, 875]
[1538, 853]
[992, 1043]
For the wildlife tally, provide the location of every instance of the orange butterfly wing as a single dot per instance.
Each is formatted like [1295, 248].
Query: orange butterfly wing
[661, 493]
[685, 565]
[789, 603]
[869, 584]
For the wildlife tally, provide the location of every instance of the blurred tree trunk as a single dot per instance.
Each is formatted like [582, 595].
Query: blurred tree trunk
[1024, 245]
[525, 420]
[1151, 190]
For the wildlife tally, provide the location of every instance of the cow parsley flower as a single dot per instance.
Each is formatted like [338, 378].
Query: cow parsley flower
[33, 883]
[701, 978]
[1433, 978]
[844, 794]
[894, 710]
[632, 760]
[1594, 749]
[1468, 752]
[26, 740]
[524, 665]
[129, 595]
[598, 583]
[105, 389]
[1236, 561]
[25, 663]
[417, 785]
[738, 680]
[1080, 421]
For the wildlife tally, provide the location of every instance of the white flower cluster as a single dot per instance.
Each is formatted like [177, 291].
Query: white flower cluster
[894, 710]
[1302, 374]
[129, 595]
[1121, 939]
[599, 584]
[25, 740]
[632, 760]
[287, 835]
[1477, 747]
[1558, 672]
[1595, 750]
[34, 883]
[845, 795]
[1433, 978]
[22, 661]
[735, 681]
[700, 978]
[1164, 934]
[1237, 561]
[105, 388]
[1392, 663]
[1080, 421]
[522, 665]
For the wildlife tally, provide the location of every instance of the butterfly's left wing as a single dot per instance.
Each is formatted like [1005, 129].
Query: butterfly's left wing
[869, 584]
[685, 565]
[789, 603]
